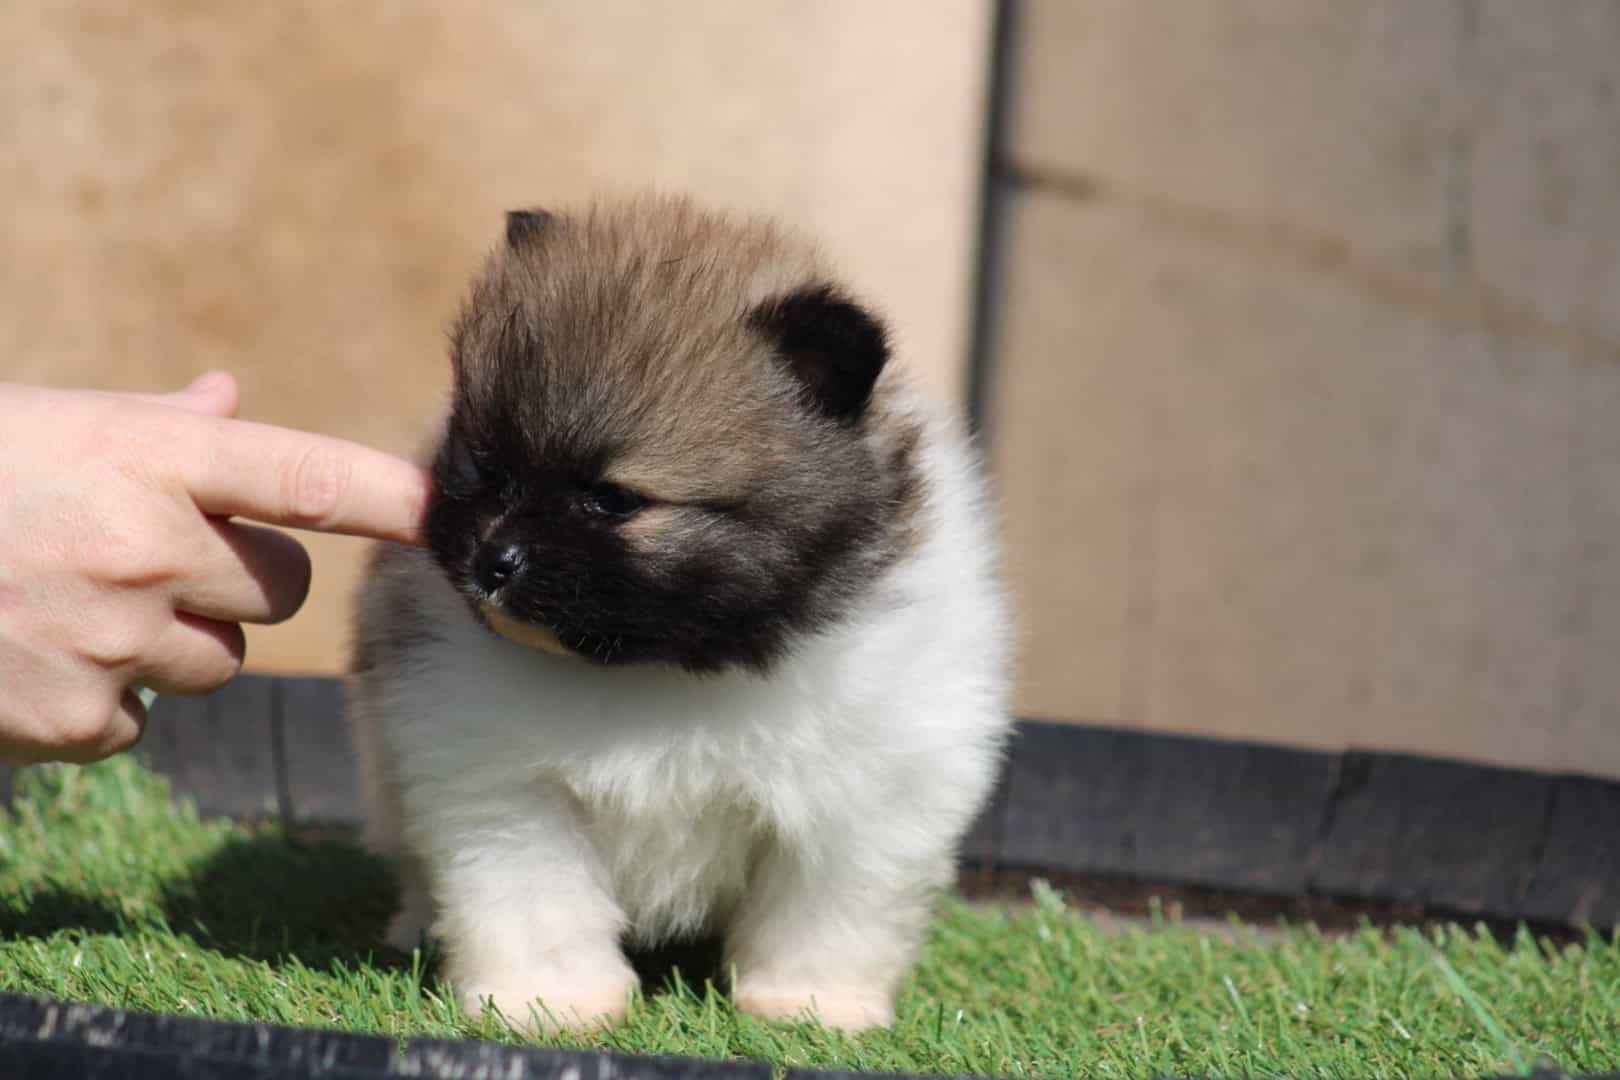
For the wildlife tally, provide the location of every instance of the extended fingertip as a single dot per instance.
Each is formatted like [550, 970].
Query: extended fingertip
[420, 499]
[280, 476]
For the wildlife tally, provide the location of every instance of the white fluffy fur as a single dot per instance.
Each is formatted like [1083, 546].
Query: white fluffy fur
[551, 806]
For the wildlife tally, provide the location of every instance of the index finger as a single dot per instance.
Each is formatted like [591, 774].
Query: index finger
[284, 477]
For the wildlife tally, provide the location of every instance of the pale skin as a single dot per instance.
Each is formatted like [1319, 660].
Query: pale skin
[129, 553]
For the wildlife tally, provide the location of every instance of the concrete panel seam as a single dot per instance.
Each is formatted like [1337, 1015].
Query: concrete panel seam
[1538, 850]
[1469, 303]
[1459, 179]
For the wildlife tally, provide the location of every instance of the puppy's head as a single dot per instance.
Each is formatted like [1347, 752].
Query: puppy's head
[668, 442]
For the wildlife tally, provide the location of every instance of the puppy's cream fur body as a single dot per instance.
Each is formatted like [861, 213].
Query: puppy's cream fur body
[547, 806]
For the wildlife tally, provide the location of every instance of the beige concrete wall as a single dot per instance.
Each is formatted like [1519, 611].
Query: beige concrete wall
[1307, 400]
[298, 191]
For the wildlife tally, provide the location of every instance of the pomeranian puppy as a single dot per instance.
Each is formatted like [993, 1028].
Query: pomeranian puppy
[707, 638]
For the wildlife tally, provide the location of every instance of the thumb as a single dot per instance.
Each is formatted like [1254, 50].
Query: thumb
[214, 393]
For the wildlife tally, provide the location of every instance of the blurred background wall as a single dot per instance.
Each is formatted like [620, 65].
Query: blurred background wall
[1302, 387]
[299, 191]
[1305, 400]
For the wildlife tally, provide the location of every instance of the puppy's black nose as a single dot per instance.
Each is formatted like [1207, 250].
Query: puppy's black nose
[496, 564]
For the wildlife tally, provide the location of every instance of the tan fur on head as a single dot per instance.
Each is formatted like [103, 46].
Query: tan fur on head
[647, 300]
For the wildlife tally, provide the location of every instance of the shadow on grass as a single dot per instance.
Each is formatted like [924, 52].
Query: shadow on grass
[697, 961]
[327, 902]
[273, 897]
[51, 910]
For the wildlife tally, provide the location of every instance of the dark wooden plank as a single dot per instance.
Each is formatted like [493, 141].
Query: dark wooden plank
[25, 1015]
[1160, 807]
[322, 785]
[79, 1061]
[26, 1018]
[217, 749]
[72, 1061]
[1435, 832]
[1577, 877]
[171, 721]
[195, 1047]
[452, 1059]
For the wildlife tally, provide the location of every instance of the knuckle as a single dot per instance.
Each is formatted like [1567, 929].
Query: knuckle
[123, 556]
[81, 730]
[316, 482]
[130, 541]
[115, 426]
[137, 448]
[114, 641]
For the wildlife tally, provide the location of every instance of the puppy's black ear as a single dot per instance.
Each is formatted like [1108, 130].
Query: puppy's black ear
[832, 345]
[522, 226]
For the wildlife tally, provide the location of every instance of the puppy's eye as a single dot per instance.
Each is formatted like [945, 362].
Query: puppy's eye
[465, 469]
[611, 500]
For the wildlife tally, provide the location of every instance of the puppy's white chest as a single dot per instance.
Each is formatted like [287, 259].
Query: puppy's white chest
[676, 875]
[676, 823]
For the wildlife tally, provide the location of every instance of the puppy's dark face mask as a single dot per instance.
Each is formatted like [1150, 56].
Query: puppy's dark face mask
[648, 463]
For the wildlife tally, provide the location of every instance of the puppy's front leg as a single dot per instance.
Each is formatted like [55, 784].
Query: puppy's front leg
[831, 934]
[525, 913]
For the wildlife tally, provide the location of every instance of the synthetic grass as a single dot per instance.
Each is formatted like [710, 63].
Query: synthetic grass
[109, 894]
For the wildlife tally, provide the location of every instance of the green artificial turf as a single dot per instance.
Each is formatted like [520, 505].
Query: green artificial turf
[108, 894]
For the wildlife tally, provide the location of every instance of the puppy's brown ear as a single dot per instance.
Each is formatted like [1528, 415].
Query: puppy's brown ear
[523, 226]
[833, 346]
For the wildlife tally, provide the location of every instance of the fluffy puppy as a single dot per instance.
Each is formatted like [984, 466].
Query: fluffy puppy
[706, 638]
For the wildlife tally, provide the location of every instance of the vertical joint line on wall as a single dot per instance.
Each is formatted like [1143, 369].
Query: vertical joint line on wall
[1459, 183]
[986, 258]
[278, 752]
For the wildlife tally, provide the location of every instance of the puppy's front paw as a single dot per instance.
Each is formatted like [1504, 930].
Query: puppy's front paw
[546, 999]
[850, 1009]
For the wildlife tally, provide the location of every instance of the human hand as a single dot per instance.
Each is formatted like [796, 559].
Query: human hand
[120, 561]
